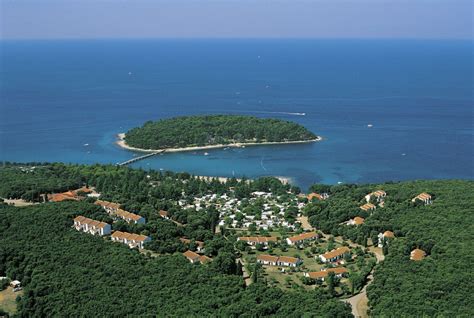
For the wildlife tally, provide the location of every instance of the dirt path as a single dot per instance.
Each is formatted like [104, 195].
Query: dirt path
[245, 273]
[359, 302]
[304, 223]
[18, 202]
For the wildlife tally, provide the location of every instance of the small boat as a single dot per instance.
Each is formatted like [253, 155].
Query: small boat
[339, 182]
[370, 125]
[404, 154]
[85, 145]
[206, 154]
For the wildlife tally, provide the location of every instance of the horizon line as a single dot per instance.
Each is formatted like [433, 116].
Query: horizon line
[236, 38]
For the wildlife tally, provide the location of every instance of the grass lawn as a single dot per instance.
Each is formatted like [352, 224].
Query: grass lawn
[7, 300]
[275, 276]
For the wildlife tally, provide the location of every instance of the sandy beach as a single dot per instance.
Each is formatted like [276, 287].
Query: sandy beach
[121, 142]
[283, 180]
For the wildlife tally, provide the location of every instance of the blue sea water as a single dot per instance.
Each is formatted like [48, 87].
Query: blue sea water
[67, 100]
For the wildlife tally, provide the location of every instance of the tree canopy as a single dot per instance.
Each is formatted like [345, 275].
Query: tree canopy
[440, 284]
[68, 273]
[214, 130]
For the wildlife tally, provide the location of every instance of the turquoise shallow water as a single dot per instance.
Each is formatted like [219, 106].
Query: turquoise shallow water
[66, 101]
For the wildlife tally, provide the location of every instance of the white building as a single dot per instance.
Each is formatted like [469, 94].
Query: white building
[130, 239]
[334, 255]
[94, 227]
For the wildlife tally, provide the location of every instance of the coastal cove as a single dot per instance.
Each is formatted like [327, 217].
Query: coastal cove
[66, 101]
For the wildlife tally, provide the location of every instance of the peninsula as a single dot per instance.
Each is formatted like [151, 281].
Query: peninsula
[190, 133]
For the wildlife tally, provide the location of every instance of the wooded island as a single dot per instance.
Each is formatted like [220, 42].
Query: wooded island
[214, 131]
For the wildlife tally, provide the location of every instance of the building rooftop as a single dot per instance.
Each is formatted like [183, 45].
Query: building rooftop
[336, 252]
[417, 254]
[303, 236]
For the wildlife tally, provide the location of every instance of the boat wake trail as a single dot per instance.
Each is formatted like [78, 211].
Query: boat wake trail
[261, 164]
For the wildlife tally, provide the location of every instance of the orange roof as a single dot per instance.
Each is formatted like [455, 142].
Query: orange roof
[337, 270]
[337, 252]
[423, 196]
[304, 236]
[83, 189]
[267, 258]
[358, 220]
[129, 236]
[313, 195]
[204, 259]
[79, 218]
[59, 197]
[163, 213]
[107, 204]
[83, 220]
[368, 206]
[258, 239]
[417, 254]
[379, 193]
[191, 255]
[288, 259]
[188, 241]
[388, 234]
[324, 273]
[128, 215]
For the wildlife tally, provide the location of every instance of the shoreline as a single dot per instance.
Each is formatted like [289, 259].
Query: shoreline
[284, 180]
[121, 143]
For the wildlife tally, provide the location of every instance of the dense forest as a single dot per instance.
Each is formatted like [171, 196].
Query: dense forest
[138, 191]
[67, 273]
[37, 245]
[214, 130]
[439, 285]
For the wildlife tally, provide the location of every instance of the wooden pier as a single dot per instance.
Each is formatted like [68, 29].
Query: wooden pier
[148, 155]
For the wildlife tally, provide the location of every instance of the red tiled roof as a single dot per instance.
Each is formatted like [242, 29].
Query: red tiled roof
[324, 273]
[258, 239]
[337, 252]
[417, 254]
[83, 220]
[288, 259]
[367, 206]
[358, 220]
[191, 255]
[204, 259]
[304, 236]
[313, 195]
[267, 258]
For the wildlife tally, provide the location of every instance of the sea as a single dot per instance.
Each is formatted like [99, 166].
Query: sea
[388, 110]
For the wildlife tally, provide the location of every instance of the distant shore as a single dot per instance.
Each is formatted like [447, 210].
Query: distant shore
[121, 142]
[284, 180]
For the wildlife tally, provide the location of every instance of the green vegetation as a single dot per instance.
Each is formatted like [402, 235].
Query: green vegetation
[68, 273]
[38, 247]
[442, 283]
[138, 191]
[214, 130]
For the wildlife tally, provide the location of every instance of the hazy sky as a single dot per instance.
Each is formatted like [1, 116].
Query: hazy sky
[236, 18]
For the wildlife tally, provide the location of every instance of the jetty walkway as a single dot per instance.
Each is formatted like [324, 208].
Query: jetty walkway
[130, 161]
